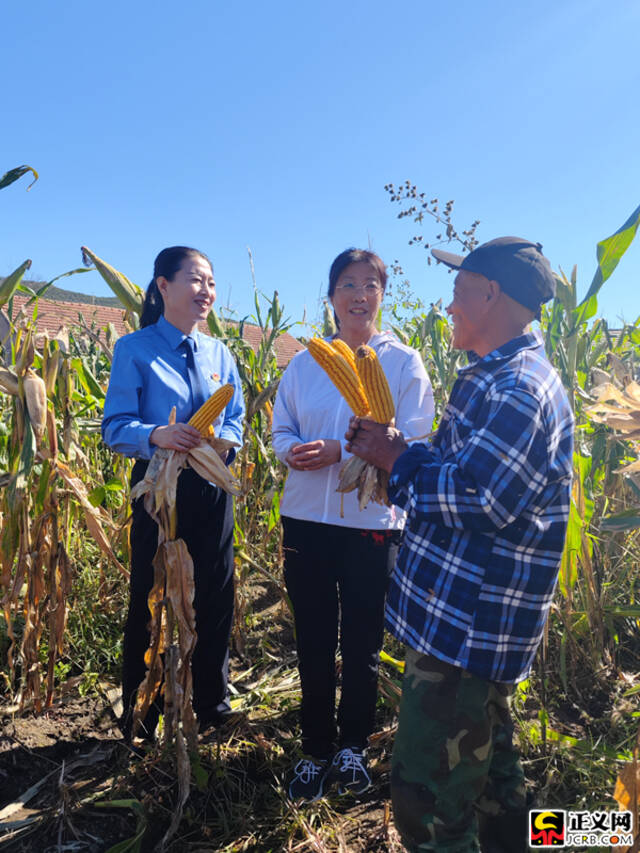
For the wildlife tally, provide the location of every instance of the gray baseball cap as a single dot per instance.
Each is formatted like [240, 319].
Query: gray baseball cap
[518, 265]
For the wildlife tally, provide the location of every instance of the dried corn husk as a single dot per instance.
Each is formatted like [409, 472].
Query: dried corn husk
[206, 461]
[8, 381]
[370, 481]
[618, 408]
[131, 296]
[35, 394]
[171, 602]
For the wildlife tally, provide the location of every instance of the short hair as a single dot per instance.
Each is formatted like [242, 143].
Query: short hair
[354, 256]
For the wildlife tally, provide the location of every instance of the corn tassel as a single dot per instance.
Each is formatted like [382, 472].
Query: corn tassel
[345, 350]
[375, 385]
[341, 374]
[209, 411]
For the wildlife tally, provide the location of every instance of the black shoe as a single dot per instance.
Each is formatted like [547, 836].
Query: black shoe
[221, 720]
[307, 780]
[350, 770]
[504, 833]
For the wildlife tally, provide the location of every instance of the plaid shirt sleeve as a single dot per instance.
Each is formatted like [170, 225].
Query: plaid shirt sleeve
[492, 471]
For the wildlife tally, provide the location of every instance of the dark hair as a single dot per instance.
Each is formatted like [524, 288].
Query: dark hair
[167, 265]
[354, 256]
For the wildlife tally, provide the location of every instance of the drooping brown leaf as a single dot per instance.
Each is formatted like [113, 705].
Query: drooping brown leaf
[180, 591]
[628, 780]
[94, 517]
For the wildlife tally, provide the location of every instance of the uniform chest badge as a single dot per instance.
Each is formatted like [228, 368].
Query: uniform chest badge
[215, 377]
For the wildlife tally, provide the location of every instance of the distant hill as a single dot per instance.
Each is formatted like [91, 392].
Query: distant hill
[58, 294]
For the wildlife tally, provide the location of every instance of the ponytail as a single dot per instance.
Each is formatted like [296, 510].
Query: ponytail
[153, 307]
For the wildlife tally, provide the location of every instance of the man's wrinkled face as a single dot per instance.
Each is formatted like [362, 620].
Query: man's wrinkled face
[467, 310]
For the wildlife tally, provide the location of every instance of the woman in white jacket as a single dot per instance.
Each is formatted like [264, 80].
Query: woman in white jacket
[337, 566]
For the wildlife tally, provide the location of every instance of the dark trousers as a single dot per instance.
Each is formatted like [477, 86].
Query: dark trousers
[337, 580]
[205, 522]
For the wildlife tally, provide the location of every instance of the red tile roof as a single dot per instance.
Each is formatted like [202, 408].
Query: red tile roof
[53, 314]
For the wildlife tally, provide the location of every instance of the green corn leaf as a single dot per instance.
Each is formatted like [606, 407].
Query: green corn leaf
[627, 520]
[610, 251]
[215, 326]
[41, 292]
[87, 379]
[133, 844]
[23, 288]
[585, 311]
[274, 512]
[97, 495]
[18, 483]
[15, 174]
[634, 486]
[113, 485]
[11, 282]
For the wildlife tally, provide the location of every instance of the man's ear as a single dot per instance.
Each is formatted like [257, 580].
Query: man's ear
[162, 283]
[493, 290]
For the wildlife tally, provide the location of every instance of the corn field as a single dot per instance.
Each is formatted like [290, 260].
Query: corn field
[64, 514]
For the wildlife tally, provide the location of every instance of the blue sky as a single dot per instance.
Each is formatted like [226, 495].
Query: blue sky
[277, 125]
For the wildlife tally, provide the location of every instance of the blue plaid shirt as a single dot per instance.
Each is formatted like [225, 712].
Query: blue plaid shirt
[487, 503]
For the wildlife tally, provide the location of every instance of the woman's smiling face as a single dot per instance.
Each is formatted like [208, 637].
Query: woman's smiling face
[356, 299]
[189, 295]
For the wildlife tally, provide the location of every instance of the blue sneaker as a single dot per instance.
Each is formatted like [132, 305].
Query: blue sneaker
[307, 781]
[350, 770]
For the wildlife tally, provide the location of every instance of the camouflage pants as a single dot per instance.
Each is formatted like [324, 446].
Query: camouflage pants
[453, 756]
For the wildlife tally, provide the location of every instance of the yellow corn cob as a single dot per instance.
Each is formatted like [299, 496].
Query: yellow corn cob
[345, 350]
[209, 411]
[341, 374]
[375, 385]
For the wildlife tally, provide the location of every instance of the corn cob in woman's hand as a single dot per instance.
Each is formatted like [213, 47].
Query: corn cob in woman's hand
[375, 385]
[342, 374]
[210, 409]
[345, 350]
[203, 420]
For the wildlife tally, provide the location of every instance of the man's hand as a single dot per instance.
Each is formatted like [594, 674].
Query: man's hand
[175, 437]
[314, 455]
[380, 444]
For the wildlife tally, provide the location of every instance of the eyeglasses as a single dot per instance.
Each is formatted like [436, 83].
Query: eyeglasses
[370, 288]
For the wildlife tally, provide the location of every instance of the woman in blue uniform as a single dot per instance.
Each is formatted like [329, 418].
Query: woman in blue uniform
[167, 363]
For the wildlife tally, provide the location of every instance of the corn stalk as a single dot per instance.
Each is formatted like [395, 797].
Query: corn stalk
[41, 496]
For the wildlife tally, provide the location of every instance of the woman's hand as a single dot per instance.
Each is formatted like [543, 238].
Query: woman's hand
[175, 437]
[314, 454]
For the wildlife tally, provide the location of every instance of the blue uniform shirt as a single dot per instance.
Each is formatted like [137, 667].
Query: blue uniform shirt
[149, 377]
[487, 503]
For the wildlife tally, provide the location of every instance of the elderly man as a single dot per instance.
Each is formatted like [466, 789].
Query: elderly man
[487, 502]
